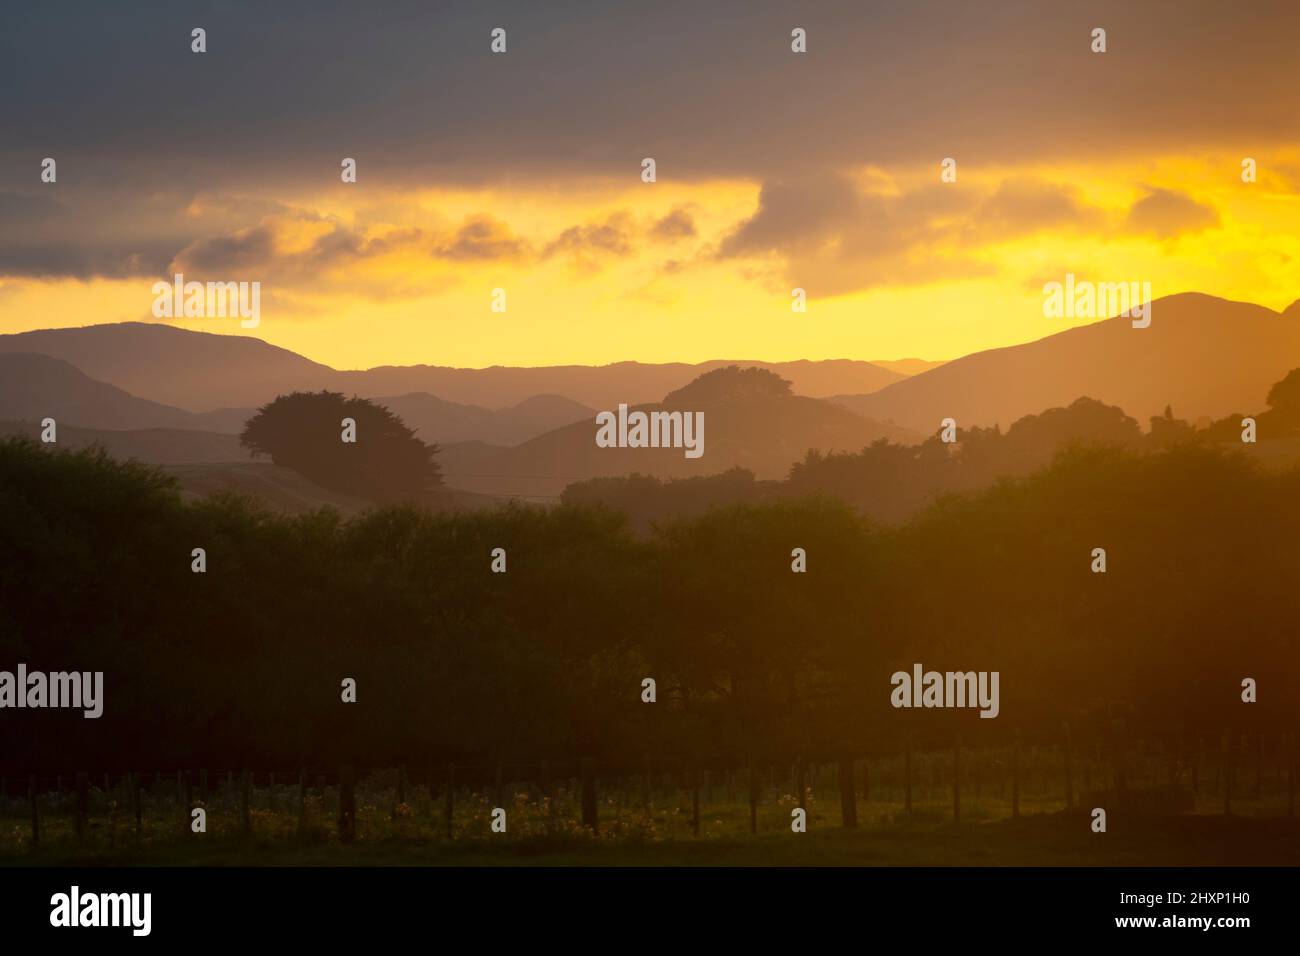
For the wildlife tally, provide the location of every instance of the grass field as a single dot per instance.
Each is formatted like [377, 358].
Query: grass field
[1165, 825]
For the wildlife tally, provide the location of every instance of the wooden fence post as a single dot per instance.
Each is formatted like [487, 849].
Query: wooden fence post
[956, 778]
[1227, 775]
[1259, 765]
[907, 775]
[848, 795]
[34, 799]
[589, 809]
[693, 781]
[451, 800]
[1015, 774]
[399, 796]
[753, 799]
[347, 804]
[1069, 772]
[83, 804]
[1288, 741]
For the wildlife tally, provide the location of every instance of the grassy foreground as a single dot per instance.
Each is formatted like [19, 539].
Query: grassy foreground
[1258, 834]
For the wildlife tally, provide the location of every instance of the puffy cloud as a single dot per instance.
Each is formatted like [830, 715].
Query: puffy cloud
[678, 224]
[832, 234]
[1166, 214]
[613, 237]
[483, 238]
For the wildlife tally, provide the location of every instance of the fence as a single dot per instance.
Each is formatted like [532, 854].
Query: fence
[1148, 777]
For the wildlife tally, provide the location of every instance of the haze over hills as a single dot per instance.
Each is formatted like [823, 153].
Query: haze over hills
[1207, 357]
[437, 420]
[1203, 355]
[159, 446]
[907, 366]
[33, 387]
[200, 372]
[195, 371]
[765, 433]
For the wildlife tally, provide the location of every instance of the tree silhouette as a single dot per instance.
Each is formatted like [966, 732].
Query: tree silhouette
[730, 382]
[304, 431]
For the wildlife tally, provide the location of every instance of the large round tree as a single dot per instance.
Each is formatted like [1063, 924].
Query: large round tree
[305, 431]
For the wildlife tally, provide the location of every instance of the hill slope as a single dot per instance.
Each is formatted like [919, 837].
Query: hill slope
[33, 387]
[196, 371]
[1203, 355]
[765, 434]
[200, 371]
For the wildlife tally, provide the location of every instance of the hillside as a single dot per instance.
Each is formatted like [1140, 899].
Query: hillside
[200, 371]
[196, 371]
[33, 387]
[154, 445]
[1203, 355]
[764, 433]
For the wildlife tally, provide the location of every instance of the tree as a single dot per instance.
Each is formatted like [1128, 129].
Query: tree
[729, 383]
[304, 431]
[1284, 404]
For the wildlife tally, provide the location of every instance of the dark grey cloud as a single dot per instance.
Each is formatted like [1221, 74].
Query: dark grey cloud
[410, 89]
[827, 229]
[1165, 213]
[678, 224]
[483, 238]
[43, 237]
[611, 237]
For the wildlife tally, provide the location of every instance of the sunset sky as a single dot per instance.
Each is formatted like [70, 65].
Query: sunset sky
[522, 171]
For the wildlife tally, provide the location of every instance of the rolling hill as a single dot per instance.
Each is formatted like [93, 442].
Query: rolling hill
[33, 387]
[200, 372]
[1203, 355]
[196, 371]
[763, 433]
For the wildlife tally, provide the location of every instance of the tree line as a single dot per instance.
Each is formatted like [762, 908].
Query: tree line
[242, 665]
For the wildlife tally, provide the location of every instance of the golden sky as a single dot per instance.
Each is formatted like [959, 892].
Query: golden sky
[522, 172]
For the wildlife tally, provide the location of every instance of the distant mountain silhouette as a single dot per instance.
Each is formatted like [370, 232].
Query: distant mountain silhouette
[437, 420]
[907, 366]
[765, 433]
[1203, 355]
[196, 371]
[154, 445]
[200, 371]
[600, 386]
[33, 387]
